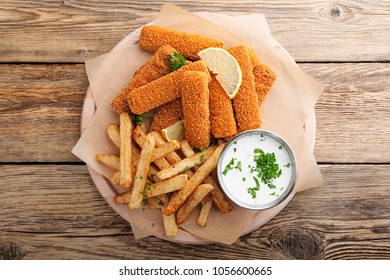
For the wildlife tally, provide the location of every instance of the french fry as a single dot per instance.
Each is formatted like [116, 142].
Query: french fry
[218, 197]
[164, 149]
[158, 201]
[139, 138]
[115, 178]
[204, 213]
[114, 134]
[170, 227]
[172, 157]
[186, 148]
[204, 170]
[142, 172]
[125, 130]
[109, 160]
[166, 186]
[186, 163]
[193, 200]
[123, 198]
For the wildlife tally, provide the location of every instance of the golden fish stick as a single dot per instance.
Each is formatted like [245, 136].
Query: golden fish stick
[162, 90]
[188, 45]
[245, 103]
[167, 115]
[253, 57]
[222, 122]
[264, 80]
[195, 101]
[155, 67]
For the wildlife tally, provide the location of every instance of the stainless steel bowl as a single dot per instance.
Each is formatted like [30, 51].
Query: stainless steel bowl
[288, 189]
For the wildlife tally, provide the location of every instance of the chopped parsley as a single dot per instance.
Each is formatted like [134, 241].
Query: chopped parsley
[138, 119]
[280, 147]
[238, 166]
[228, 167]
[235, 149]
[201, 158]
[266, 167]
[176, 61]
[185, 169]
[235, 142]
[287, 165]
[201, 149]
[243, 179]
[253, 191]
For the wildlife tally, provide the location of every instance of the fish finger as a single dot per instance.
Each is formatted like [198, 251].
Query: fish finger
[264, 80]
[195, 101]
[222, 122]
[245, 104]
[167, 115]
[188, 45]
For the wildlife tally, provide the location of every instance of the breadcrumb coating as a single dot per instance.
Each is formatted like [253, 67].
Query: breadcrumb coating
[167, 115]
[245, 103]
[252, 56]
[188, 45]
[195, 101]
[264, 80]
[162, 90]
[155, 67]
[222, 122]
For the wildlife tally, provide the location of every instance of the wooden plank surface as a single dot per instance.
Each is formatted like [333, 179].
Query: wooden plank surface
[73, 31]
[55, 212]
[41, 107]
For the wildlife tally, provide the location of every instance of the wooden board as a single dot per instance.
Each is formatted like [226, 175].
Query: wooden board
[45, 217]
[41, 107]
[74, 31]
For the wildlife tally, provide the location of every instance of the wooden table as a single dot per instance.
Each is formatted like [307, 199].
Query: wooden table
[50, 208]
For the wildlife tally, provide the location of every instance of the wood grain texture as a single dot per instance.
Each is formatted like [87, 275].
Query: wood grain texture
[55, 212]
[41, 107]
[75, 30]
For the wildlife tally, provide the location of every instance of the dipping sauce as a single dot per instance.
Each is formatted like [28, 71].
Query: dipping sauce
[257, 169]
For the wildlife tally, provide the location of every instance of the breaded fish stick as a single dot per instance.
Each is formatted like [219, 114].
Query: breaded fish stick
[253, 56]
[195, 101]
[245, 103]
[162, 90]
[188, 45]
[222, 122]
[155, 67]
[168, 115]
[264, 80]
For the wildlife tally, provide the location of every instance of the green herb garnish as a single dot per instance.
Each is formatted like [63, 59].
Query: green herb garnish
[176, 61]
[228, 167]
[201, 158]
[266, 167]
[243, 179]
[238, 166]
[138, 119]
[234, 149]
[287, 165]
[253, 191]
[280, 147]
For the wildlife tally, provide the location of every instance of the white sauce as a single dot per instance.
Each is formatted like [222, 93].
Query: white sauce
[237, 182]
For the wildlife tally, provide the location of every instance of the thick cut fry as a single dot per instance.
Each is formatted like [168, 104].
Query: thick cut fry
[142, 171]
[186, 148]
[158, 201]
[189, 45]
[186, 164]
[204, 170]
[245, 104]
[155, 67]
[264, 80]
[222, 122]
[166, 186]
[126, 128]
[109, 160]
[197, 195]
[139, 138]
[165, 149]
[123, 198]
[167, 115]
[204, 213]
[114, 134]
[170, 227]
[218, 197]
[115, 178]
[172, 157]
[161, 91]
[195, 102]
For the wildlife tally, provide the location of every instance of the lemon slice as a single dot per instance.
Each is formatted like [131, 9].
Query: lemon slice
[175, 131]
[225, 66]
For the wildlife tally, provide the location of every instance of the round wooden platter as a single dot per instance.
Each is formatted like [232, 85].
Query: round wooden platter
[259, 219]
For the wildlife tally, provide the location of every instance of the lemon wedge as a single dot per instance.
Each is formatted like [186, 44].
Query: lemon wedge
[225, 66]
[175, 131]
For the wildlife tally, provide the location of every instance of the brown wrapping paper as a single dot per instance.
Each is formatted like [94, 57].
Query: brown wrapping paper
[287, 108]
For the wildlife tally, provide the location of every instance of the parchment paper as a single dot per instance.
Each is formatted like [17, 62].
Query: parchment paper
[285, 111]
